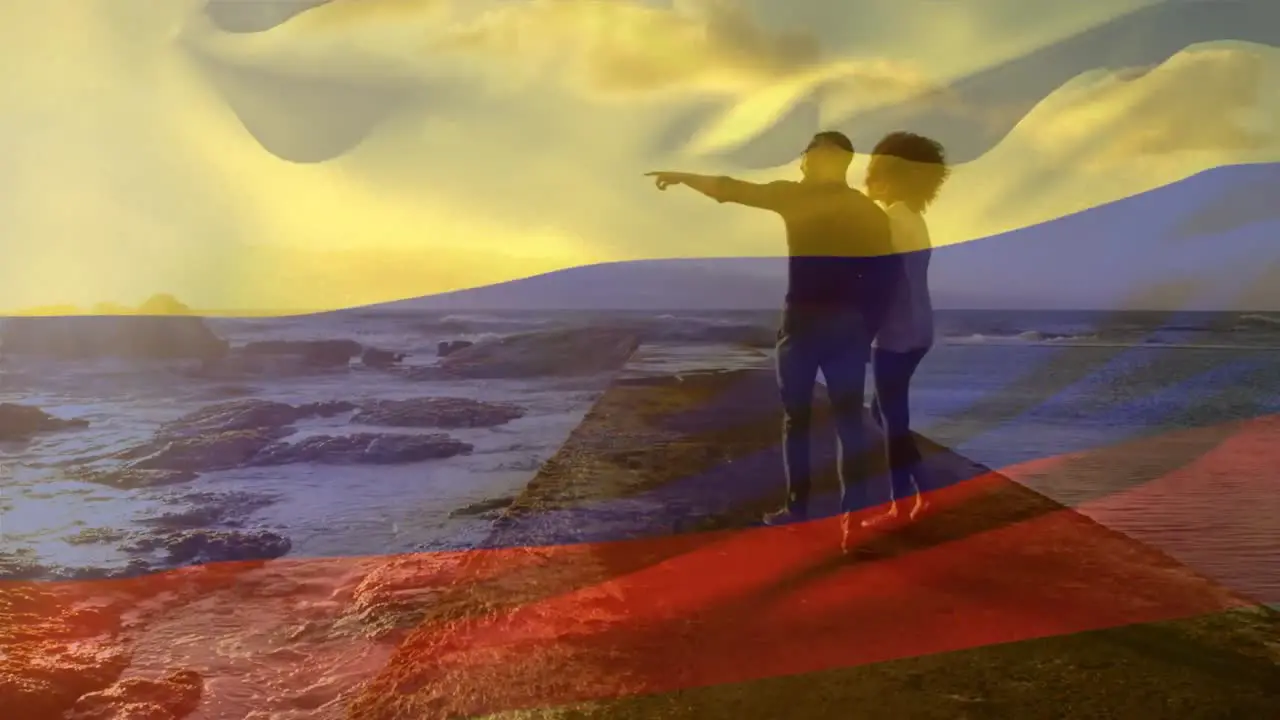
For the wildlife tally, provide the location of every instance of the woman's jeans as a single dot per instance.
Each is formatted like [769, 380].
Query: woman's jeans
[892, 372]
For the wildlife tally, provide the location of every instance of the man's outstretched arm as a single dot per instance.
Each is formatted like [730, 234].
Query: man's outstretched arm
[727, 189]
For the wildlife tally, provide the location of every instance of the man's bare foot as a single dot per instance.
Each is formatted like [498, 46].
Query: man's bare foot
[784, 516]
[886, 518]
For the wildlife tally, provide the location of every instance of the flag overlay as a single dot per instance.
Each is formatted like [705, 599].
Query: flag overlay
[351, 369]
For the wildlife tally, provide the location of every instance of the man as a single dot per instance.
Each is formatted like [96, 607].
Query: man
[840, 270]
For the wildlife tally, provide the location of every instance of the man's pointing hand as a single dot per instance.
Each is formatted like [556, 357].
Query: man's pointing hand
[662, 179]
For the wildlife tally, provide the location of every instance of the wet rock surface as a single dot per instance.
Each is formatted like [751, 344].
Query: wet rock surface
[131, 569]
[170, 698]
[251, 433]
[205, 453]
[204, 527]
[283, 357]
[248, 414]
[183, 547]
[441, 412]
[562, 352]
[22, 565]
[362, 448]
[395, 595]
[483, 508]
[19, 422]
[228, 392]
[53, 652]
[379, 358]
[67, 649]
[131, 478]
[96, 536]
[205, 509]
[448, 347]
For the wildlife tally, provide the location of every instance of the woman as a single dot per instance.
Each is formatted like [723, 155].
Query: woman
[904, 175]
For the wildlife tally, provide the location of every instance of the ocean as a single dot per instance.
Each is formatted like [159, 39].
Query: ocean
[1005, 388]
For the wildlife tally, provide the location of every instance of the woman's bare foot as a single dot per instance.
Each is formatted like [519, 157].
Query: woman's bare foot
[919, 508]
[887, 518]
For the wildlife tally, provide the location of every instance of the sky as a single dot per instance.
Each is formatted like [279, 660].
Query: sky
[255, 156]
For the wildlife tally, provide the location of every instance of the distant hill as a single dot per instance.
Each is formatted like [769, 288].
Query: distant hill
[159, 304]
[1151, 250]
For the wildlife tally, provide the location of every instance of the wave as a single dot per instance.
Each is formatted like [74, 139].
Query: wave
[480, 319]
[1033, 337]
[758, 329]
[1255, 320]
[1164, 344]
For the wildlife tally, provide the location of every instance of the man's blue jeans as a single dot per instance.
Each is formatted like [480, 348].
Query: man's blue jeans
[835, 341]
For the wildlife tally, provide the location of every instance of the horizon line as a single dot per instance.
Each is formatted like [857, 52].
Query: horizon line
[285, 313]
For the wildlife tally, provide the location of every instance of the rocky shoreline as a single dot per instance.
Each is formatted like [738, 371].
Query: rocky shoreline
[229, 435]
[554, 628]
[72, 636]
[256, 433]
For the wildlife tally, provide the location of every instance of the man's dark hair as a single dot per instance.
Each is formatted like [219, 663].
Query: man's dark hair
[917, 180]
[831, 137]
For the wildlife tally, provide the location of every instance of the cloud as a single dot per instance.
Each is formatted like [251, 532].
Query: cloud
[710, 48]
[840, 89]
[619, 47]
[737, 53]
[628, 48]
[617, 51]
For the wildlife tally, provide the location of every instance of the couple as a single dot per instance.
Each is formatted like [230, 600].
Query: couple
[857, 292]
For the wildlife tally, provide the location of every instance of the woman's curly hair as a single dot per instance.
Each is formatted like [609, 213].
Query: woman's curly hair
[908, 168]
